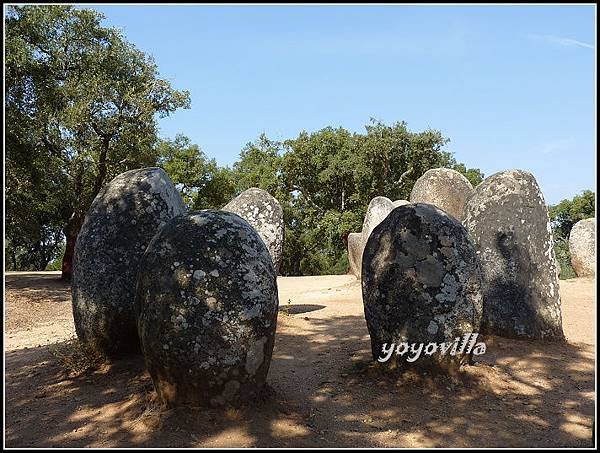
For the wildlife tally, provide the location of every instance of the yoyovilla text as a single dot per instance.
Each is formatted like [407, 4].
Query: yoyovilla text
[467, 345]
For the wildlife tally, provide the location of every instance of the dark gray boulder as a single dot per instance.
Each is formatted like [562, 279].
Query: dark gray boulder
[582, 247]
[207, 310]
[120, 223]
[421, 283]
[507, 219]
[443, 187]
[265, 214]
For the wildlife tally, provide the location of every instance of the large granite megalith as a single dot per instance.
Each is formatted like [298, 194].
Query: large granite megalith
[443, 187]
[507, 219]
[207, 310]
[582, 247]
[265, 214]
[120, 223]
[355, 248]
[421, 284]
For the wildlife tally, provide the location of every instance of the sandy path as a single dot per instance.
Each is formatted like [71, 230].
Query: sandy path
[322, 389]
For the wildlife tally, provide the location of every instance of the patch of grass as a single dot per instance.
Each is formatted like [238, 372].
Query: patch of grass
[77, 358]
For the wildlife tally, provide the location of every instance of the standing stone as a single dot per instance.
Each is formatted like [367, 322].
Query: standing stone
[265, 214]
[122, 220]
[378, 209]
[355, 252]
[582, 247]
[443, 187]
[207, 310]
[507, 219]
[421, 283]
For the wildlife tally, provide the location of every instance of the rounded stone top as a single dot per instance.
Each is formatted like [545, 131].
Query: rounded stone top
[582, 247]
[378, 209]
[264, 213]
[443, 187]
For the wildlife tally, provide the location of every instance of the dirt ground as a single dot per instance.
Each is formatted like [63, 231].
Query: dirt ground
[322, 389]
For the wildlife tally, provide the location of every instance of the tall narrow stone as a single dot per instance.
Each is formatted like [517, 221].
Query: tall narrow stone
[507, 219]
[582, 247]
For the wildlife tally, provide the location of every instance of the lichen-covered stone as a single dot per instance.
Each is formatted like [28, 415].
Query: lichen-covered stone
[355, 247]
[265, 214]
[421, 283]
[443, 187]
[120, 223]
[582, 247]
[507, 219]
[207, 310]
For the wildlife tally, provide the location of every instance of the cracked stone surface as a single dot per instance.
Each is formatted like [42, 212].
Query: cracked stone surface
[582, 247]
[207, 310]
[421, 283]
[507, 218]
[443, 187]
[120, 223]
[265, 214]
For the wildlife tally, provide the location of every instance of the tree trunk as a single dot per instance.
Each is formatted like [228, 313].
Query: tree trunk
[67, 263]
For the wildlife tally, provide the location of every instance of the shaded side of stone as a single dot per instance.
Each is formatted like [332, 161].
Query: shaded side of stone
[355, 253]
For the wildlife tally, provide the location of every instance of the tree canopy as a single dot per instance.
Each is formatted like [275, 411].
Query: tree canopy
[81, 105]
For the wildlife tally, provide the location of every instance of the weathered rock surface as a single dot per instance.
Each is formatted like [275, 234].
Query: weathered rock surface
[507, 219]
[265, 214]
[443, 187]
[421, 283]
[122, 220]
[582, 247]
[207, 310]
[355, 252]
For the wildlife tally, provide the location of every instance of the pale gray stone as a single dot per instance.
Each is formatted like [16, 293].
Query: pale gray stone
[443, 187]
[582, 247]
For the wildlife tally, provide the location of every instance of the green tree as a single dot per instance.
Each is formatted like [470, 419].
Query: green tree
[81, 105]
[201, 182]
[325, 180]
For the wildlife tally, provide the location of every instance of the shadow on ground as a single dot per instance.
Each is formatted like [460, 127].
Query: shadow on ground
[323, 391]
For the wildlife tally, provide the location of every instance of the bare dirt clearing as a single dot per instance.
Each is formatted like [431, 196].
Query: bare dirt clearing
[322, 389]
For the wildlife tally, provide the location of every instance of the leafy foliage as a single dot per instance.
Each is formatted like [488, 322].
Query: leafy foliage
[80, 108]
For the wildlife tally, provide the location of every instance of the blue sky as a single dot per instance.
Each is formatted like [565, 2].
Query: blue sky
[511, 86]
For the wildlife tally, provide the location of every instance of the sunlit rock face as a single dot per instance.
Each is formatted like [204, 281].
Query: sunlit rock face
[265, 214]
[443, 187]
[120, 223]
[582, 247]
[207, 310]
[507, 219]
[421, 283]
